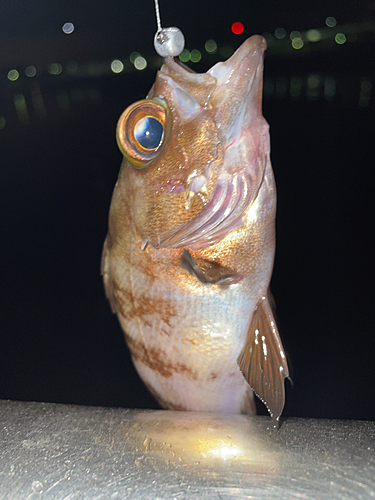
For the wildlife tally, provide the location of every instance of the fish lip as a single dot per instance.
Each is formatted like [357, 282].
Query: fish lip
[239, 82]
[256, 45]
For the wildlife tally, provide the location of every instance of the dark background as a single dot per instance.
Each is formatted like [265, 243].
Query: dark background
[58, 164]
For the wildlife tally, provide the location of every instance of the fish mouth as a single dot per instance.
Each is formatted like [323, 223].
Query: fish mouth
[239, 87]
[236, 101]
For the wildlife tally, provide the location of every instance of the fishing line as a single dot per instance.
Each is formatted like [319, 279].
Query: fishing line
[157, 11]
[168, 42]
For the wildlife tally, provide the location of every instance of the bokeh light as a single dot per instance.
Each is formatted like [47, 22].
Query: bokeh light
[226, 51]
[195, 56]
[329, 88]
[331, 22]
[133, 56]
[268, 36]
[21, 109]
[72, 67]
[30, 71]
[365, 94]
[117, 66]
[297, 43]
[280, 33]
[210, 46]
[54, 69]
[313, 35]
[13, 75]
[295, 88]
[313, 83]
[140, 63]
[184, 56]
[340, 38]
[295, 34]
[237, 28]
[2, 122]
[68, 28]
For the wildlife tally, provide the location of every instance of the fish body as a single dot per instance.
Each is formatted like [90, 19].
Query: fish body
[189, 253]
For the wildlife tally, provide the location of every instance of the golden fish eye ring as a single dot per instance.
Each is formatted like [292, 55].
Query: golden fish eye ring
[128, 137]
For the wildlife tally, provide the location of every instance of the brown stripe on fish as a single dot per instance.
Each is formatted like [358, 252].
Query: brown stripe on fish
[140, 307]
[156, 359]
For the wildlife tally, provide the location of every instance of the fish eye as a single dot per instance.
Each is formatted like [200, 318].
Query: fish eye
[149, 132]
[142, 131]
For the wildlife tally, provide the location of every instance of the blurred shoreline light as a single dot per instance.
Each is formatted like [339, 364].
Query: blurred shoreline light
[296, 38]
[365, 94]
[331, 22]
[133, 56]
[340, 38]
[297, 43]
[280, 33]
[30, 71]
[140, 63]
[195, 56]
[21, 109]
[313, 35]
[72, 67]
[210, 46]
[13, 75]
[268, 36]
[294, 34]
[54, 69]
[184, 56]
[117, 66]
[68, 28]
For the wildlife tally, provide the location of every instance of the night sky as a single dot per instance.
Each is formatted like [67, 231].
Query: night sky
[59, 162]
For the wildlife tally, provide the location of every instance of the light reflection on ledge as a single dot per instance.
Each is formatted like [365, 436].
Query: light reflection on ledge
[80, 452]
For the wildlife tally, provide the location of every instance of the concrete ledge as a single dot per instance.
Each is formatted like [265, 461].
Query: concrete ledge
[50, 451]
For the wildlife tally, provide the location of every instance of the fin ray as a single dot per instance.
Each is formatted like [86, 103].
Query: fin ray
[209, 272]
[262, 360]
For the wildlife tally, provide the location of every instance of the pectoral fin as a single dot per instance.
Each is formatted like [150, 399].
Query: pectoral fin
[209, 272]
[263, 361]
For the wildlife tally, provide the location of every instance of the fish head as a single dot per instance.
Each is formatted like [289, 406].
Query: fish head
[195, 150]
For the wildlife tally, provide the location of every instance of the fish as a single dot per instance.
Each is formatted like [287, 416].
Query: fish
[189, 254]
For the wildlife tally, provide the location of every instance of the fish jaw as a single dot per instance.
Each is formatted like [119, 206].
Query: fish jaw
[239, 85]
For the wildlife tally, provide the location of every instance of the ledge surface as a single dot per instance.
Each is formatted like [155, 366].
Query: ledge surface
[51, 451]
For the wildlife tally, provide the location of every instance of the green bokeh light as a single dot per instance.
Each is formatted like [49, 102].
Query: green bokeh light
[210, 46]
[340, 38]
[313, 36]
[195, 56]
[133, 56]
[54, 69]
[13, 75]
[184, 56]
[297, 43]
[295, 34]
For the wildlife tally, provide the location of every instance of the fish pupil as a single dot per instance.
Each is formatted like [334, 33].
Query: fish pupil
[149, 132]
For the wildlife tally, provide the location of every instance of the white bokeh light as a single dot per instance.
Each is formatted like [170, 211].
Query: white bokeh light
[68, 28]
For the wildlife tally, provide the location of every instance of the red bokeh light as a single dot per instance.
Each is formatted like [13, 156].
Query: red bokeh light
[237, 28]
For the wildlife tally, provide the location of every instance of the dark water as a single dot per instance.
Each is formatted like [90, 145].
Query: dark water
[59, 341]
